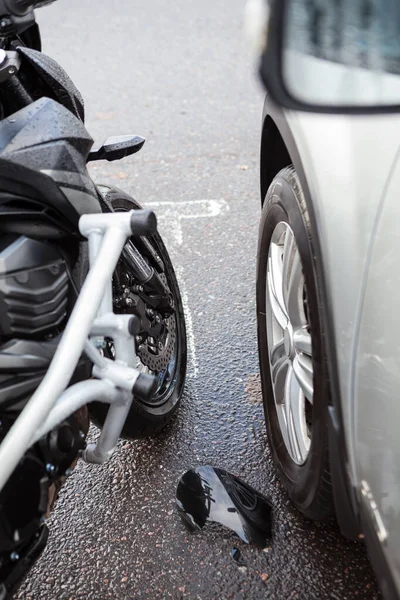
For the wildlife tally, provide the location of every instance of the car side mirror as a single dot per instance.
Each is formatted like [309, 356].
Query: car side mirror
[333, 56]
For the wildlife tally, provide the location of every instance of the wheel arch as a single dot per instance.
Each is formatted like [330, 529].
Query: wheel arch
[278, 150]
[274, 154]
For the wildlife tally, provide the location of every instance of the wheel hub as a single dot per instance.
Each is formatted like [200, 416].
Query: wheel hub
[156, 353]
[288, 341]
[157, 342]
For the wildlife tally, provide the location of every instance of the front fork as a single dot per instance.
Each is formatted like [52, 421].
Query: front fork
[144, 274]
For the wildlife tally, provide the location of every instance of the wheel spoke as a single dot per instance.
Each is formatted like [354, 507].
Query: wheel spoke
[294, 293]
[295, 418]
[277, 352]
[302, 341]
[287, 430]
[289, 248]
[278, 359]
[303, 370]
[279, 382]
[277, 310]
[274, 286]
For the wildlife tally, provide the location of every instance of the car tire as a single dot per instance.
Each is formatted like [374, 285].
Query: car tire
[296, 420]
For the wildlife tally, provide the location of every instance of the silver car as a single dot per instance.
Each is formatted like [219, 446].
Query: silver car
[328, 274]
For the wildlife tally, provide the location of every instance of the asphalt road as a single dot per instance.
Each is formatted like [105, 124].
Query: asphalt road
[180, 74]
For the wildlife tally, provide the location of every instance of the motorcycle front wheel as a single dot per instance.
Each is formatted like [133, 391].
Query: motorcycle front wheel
[164, 355]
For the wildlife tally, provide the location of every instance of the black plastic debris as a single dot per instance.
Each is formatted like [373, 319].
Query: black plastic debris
[238, 557]
[211, 494]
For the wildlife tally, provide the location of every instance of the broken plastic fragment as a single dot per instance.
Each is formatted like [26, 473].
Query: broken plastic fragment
[211, 494]
[237, 557]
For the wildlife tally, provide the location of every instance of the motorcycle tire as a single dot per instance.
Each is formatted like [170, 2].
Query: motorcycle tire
[147, 418]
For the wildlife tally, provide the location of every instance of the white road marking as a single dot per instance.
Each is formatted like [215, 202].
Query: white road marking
[170, 216]
[189, 324]
[175, 212]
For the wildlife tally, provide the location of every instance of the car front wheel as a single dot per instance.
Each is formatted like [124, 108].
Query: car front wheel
[291, 347]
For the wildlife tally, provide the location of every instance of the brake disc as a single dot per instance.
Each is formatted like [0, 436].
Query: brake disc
[156, 353]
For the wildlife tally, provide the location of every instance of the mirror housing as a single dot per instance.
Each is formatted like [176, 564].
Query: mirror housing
[116, 147]
[274, 65]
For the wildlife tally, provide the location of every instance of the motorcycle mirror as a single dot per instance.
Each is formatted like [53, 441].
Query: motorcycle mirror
[117, 147]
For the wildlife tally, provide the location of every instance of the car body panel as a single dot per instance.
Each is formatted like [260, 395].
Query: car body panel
[377, 382]
[344, 162]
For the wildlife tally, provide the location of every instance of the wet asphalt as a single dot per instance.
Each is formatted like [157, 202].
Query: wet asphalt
[180, 73]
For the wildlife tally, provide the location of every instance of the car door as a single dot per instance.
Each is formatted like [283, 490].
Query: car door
[376, 367]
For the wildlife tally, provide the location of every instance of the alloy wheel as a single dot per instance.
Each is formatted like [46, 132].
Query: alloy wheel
[289, 342]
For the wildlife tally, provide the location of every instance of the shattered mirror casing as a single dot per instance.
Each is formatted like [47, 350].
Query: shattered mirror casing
[211, 494]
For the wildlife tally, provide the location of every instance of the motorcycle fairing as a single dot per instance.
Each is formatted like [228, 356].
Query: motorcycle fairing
[43, 153]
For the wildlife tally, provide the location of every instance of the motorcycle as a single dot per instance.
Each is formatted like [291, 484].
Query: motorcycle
[91, 318]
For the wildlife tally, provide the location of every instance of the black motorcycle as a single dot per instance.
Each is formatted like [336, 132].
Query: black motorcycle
[91, 317]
